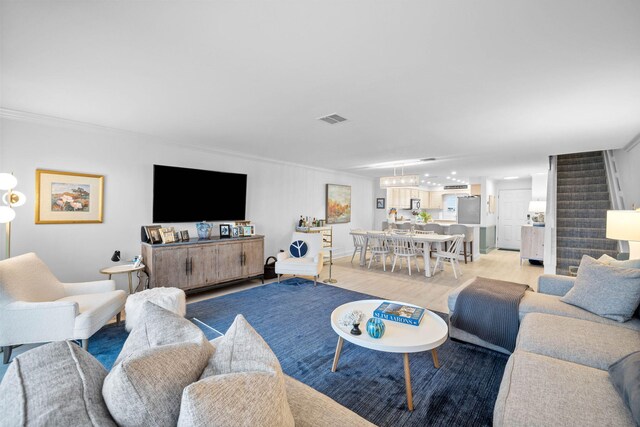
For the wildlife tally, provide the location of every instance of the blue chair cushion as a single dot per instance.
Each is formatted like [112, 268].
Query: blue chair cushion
[298, 249]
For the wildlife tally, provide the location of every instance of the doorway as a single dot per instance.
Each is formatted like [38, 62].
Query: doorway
[512, 214]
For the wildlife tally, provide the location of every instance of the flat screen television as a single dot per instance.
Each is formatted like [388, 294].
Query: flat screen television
[194, 195]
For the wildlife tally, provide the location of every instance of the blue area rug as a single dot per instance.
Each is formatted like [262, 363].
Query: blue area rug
[293, 318]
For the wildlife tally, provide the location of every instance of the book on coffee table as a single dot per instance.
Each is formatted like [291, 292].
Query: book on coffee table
[407, 314]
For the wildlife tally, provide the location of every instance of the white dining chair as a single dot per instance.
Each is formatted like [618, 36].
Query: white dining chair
[450, 254]
[420, 246]
[378, 248]
[404, 248]
[359, 244]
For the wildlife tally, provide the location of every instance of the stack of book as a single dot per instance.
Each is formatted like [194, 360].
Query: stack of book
[406, 314]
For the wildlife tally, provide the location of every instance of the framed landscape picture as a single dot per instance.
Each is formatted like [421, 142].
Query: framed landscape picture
[338, 204]
[68, 198]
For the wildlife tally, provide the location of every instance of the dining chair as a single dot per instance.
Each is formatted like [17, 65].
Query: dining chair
[468, 238]
[359, 243]
[378, 248]
[450, 254]
[420, 245]
[404, 248]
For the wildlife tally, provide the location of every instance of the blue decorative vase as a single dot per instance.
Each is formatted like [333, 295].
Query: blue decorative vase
[204, 230]
[375, 327]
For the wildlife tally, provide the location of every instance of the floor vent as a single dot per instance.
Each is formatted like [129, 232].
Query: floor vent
[332, 119]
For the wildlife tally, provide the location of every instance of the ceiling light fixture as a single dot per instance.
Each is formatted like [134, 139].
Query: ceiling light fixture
[453, 172]
[399, 181]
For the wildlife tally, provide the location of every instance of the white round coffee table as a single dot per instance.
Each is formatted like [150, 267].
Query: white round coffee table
[398, 337]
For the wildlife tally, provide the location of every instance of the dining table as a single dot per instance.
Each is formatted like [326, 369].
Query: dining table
[429, 239]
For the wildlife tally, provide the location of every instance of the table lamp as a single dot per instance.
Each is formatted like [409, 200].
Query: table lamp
[10, 199]
[625, 225]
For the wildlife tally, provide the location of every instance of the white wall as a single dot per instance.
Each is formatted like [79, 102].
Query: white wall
[539, 186]
[628, 162]
[277, 194]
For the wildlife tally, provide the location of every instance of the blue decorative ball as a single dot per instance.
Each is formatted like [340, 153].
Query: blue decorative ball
[375, 327]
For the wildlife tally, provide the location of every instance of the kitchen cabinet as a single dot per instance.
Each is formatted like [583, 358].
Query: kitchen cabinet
[435, 199]
[203, 263]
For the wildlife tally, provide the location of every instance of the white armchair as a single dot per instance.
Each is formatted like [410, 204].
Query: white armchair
[36, 307]
[308, 265]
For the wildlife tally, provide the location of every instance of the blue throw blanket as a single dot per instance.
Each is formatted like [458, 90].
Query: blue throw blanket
[488, 309]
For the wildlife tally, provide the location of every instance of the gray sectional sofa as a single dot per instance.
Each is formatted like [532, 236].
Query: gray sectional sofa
[557, 375]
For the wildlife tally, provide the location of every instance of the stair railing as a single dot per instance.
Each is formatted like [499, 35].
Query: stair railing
[615, 191]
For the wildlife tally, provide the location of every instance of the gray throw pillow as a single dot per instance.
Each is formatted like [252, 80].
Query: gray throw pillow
[56, 384]
[159, 359]
[158, 326]
[625, 376]
[243, 384]
[629, 263]
[607, 291]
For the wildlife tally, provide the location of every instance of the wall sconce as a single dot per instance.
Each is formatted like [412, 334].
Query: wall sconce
[10, 199]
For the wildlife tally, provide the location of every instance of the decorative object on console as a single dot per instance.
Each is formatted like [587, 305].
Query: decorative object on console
[153, 234]
[204, 230]
[184, 235]
[537, 208]
[380, 203]
[11, 199]
[68, 197]
[338, 204]
[225, 231]
[625, 225]
[167, 234]
[248, 230]
[375, 328]
[116, 256]
[235, 232]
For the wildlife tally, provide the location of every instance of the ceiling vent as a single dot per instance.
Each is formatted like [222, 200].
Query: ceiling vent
[430, 159]
[332, 119]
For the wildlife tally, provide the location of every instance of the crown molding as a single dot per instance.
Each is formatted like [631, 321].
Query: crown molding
[41, 119]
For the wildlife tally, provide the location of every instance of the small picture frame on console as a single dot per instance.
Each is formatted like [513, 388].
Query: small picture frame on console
[168, 235]
[235, 232]
[247, 230]
[153, 234]
[184, 235]
[225, 231]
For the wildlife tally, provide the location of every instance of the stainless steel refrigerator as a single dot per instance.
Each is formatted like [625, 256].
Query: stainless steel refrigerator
[469, 210]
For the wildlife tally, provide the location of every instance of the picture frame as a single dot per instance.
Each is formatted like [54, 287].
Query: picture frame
[168, 235]
[247, 230]
[184, 235]
[380, 203]
[235, 232]
[338, 204]
[153, 233]
[415, 204]
[68, 197]
[225, 231]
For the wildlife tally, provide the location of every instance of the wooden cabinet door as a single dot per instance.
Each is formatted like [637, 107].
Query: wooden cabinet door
[404, 201]
[425, 203]
[203, 265]
[253, 251]
[229, 261]
[170, 267]
[435, 200]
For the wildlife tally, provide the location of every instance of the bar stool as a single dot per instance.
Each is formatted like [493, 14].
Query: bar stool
[468, 238]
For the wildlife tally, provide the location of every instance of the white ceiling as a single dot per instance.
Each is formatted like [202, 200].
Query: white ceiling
[487, 87]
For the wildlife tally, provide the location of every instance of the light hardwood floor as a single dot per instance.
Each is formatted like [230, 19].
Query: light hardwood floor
[416, 289]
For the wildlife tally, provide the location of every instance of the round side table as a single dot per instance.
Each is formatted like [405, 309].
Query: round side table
[120, 269]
